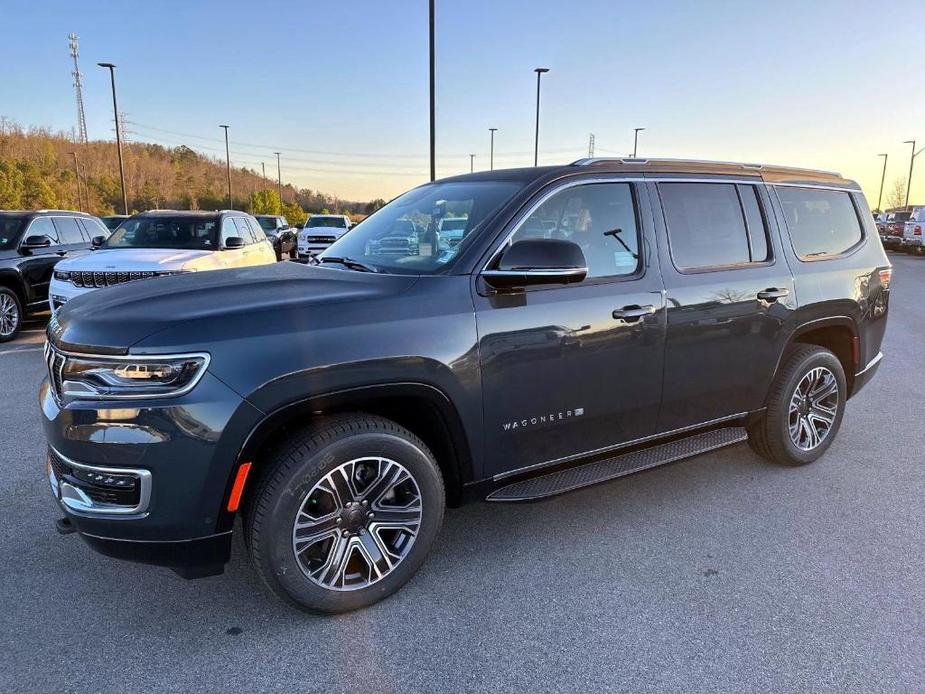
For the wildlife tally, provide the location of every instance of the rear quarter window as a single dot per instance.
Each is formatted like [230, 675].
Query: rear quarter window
[820, 222]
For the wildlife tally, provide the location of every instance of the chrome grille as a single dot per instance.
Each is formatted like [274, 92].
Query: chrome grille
[321, 239]
[54, 360]
[91, 280]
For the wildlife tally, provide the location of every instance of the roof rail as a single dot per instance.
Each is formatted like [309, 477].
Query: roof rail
[67, 211]
[587, 161]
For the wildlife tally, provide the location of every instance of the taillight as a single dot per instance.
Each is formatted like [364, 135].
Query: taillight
[885, 277]
[918, 230]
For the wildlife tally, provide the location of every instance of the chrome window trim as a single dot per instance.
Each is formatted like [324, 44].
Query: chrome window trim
[205, 356]
[80, 503]
[615, 447]
[553, 191]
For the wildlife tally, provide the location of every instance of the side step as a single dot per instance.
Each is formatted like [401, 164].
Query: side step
[618, 466]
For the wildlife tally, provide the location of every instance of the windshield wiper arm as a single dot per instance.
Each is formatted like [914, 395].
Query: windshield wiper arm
[349, 263]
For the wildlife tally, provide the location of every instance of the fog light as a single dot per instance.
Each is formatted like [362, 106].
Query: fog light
[104, 480]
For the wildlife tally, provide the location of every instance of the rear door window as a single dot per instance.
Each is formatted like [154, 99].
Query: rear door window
[713, 225]
[821, 222]
[69, 231]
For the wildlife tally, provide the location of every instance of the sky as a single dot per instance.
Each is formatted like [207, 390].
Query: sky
[341, 88]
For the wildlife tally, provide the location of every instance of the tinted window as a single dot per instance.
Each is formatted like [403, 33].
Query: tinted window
[821, 222]
[706, 225]
[256, 230]
[10, 228]
[317, 221]
[601, 218]
[68, 230]
[95, 227]
[244, 230]
[43, 225]
[267, 222]
[165, 232]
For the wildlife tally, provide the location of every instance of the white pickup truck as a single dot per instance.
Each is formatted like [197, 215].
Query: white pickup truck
[912, 232]
[320, 231]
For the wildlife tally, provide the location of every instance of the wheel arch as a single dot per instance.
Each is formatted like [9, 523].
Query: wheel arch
[12, 280]
[838, 334]
[423, 409]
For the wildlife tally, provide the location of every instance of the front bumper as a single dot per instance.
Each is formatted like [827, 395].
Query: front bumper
[177, 458]
[912, 243]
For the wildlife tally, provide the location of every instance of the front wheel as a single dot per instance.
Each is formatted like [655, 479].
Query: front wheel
[345, 514]
[805, 407]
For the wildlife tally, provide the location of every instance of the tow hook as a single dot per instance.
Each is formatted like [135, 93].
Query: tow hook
[64, 526]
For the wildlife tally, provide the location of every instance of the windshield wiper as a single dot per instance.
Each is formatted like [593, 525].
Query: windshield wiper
[349, 263]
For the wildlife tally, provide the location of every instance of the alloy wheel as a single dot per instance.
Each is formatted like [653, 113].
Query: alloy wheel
[813, 408]
[357, 524]
[9, 315]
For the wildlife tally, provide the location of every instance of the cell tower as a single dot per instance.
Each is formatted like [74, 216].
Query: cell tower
[78, 90]
[591, 146]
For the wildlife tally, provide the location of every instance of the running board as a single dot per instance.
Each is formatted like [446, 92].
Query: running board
[618, 466]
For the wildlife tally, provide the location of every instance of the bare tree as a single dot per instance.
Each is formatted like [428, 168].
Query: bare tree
[897, 195]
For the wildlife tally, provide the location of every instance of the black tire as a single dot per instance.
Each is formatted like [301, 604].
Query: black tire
[294, 470]
[770, 436]
[11, 320]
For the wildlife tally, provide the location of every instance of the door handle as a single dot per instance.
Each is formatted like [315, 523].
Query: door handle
[773, 294]
[633, 312]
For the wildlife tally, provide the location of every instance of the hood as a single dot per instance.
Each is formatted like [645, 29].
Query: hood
[134, 259]
[113, 319]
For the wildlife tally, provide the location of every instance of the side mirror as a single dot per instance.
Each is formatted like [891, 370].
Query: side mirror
[285, 227]
[233, 242]
[97, 241]
[538, 261]
[36, 241]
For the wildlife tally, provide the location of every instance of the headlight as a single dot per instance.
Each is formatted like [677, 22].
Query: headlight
[86, 377]
[62, 275]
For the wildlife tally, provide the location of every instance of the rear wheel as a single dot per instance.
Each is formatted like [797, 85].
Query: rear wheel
[345, 514]
[805, 408]
[10, 314]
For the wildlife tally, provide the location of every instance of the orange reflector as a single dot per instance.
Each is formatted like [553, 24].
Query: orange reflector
[856, 350]
[238, 489]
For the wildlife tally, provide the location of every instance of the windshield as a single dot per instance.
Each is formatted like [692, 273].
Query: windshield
[898, 216]
[166, 232]
[404, 236]
[10, 228]
[919, 215]
[267, 223]
[326, 222]
[112, 222]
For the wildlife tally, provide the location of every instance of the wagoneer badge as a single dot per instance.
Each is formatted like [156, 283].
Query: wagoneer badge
[544, 419]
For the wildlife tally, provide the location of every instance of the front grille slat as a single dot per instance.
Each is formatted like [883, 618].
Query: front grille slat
[91, 279]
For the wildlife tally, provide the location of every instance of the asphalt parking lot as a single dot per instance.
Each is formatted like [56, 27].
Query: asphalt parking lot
[722, 573]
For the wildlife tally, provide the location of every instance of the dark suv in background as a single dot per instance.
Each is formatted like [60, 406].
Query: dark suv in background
[594, 320]
[30, 245]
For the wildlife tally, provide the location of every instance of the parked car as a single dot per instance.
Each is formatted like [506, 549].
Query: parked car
[320, 231]
[450, 232]
[912, 231]
[114, 220]
[162, 243]
[31, 244]
[279, 233]
[894, 226]
[340, 407]
[403, 240]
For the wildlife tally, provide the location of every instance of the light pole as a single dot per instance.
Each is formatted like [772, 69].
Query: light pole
[471, 163]
[491, 156]
[636, 139]
[882, 179]
[227, 166]
[279, 181]
[80, 204]
[263, 167]
[911, 163]
[536, 142]
[115, 113]
[433, 107]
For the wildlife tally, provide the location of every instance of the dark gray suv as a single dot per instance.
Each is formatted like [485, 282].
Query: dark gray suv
[594, 320]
